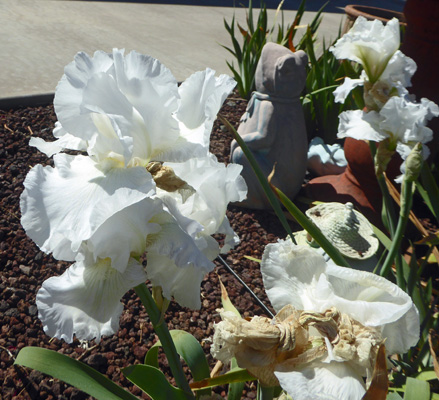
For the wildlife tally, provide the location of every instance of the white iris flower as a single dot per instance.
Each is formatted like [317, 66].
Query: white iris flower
[401, 122]
[375, 46]
[300, 277]
[144, 181]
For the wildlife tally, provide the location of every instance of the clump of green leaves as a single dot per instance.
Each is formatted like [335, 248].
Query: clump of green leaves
[255, 36]
[324, 73]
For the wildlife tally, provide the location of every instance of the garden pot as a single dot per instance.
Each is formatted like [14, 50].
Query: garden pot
[370, 13]
[421, 42]
[358, 184]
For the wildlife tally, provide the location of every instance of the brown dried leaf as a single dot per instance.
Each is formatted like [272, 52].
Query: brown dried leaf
[225, 300]
[247, 36]
[271, 175]
[434, 350]
[430, 239]
[380, 381]
[290, 38]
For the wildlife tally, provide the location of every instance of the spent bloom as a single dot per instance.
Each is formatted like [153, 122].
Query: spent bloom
[142, 180]
[330, 323]
[386, 70]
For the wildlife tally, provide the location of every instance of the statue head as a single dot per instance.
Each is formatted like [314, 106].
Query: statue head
[280, 72]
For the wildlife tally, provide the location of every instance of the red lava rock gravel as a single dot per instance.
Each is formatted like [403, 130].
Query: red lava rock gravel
[23, 268]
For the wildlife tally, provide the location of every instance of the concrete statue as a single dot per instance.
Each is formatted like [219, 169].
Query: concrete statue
[273, 126]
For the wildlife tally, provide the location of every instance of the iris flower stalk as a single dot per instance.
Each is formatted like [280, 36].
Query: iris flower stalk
[392, 121]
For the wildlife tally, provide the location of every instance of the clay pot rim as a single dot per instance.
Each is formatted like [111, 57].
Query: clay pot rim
[382, 14]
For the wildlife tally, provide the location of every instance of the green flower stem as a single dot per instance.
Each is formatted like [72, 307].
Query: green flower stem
[388, 205]
[390, 218]
[389, 222]
[165, 338]
[406, 204]
[265, 392]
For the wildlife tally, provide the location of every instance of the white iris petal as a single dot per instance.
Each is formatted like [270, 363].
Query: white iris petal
[399, 71]
[216, 185]
[360, 125]
[69, 92]
[202, 95]
[152, 90]
[85, 300]
[181, 283]
[64, 141]
[342, 92]
[369, 43]
[178, 260]
[333, 381]
[64, 206]
[174, 242]
[124, 234]
[406, 120]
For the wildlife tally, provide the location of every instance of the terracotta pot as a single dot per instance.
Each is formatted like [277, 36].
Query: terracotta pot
[370, 13]
[358, 184]
[421, 42]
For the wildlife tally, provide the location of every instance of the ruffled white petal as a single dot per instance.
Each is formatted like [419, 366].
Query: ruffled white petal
[375, 301]
[432, 109]
[142, 103]
[176, 243]
[135, 100]
[370, 43]
[85, 300]
[200, 98]
[64, 206]
[180, 282]
[291, 274]
[114, 118]
[215, 184]
[231, 239]
[202, 95]
[299, 276]
[177, 261]
[69, 92]
[343, 90]
[153, 91]
[332, 381]
[360, 125]
[399, 70]
[124, 234]
[111, 97]
[406, 120]
[65, 141]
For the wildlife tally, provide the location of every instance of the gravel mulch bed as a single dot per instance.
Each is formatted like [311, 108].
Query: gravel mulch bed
[23, 268]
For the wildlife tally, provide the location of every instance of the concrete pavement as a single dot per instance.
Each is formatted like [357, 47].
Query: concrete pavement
[40, 37]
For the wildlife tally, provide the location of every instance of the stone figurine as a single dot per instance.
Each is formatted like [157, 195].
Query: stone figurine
[325, 159]
[273, 126]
